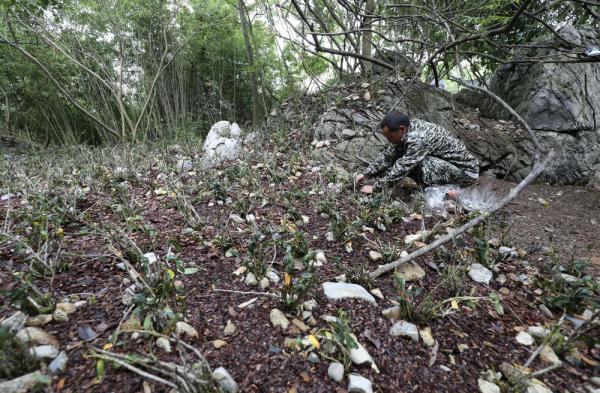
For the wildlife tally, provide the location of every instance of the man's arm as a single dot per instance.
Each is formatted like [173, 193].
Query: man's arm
[384, 161]
[415, 153]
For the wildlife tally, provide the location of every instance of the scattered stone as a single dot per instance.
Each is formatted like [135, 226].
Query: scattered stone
[359, 384]
[487, 387]
[524, 338]
[546, 311]
[309, 305]
[44, 351]
[537, 386]
[338, 290]
[313, 358]
[361, 356]
[164, 344]
[219, 343]
[236, 218]
[278, 319]
[427, 337]
[336, 371]
[151, 257]
[367, 96]
[329, 236]
[547, 355]
[538, 331]
[480, 273]
[595, 381]
[348, 133]
[320, 257]
[226, 382]
[410, 271]
[86, 333]
[272, 276]
[250, 279]
[39, 320]
[508, 252]
[229, 328]
[377, 292]
[264, 283]
[419, 236]
[405, 329]
[184, 165]
[392, 312]
[59, 363]
[60, 316]
[15, 322]
[375, 256]
[69, 308]
[300, 325]
[186, 329]
[38, 336]
[24, 383]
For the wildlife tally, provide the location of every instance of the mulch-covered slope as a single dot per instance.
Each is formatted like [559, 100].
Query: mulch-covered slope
[471, 340]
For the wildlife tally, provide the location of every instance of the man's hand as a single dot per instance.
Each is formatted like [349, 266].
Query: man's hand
[367, 189]
[360, 178]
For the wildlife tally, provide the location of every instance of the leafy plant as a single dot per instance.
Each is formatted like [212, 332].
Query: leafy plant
[410, 310]
[15, 358]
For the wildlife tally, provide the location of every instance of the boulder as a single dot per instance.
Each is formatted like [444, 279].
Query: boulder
[223, 142]
[558, 101]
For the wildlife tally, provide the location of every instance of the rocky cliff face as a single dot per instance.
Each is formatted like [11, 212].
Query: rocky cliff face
[560, 101]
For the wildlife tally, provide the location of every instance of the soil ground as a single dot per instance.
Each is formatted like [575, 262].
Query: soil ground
[471, 339]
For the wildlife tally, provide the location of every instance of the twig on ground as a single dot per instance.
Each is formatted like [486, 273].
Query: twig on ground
[246, 292]
[514, 192]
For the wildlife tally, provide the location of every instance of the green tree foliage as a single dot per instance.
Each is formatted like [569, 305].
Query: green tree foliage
[123, 71]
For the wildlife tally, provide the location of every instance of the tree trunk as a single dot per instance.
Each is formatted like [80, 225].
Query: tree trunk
[246, 31]
[367, 35]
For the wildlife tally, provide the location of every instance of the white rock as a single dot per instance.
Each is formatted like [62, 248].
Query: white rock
[507, 251]
[22, 384]
[250, 218]
[524, 338]
[375, 256]
[273, 277]
[7, 197]
[278, 319]
[59, 363]
[226, 382]
[405, 329]
[15, 322]
[44, 352]
[359, 384]
[185, 328]
[360, 355]
[313, 358]
[164, 344]
[229, 328]
[184, 165]
[410, 271]
[264, 283]
[547, 355]
[236, 218]
[537, 386]
[538, 331]
[320, 144]
[250, 279]
[68, 308]
[151, 257]
[410, 239]
[338, 290]
[60, 316]
[223, 142]
[427, 337]
[38, 336]
[320, 257]
[336, 371]
[309, 305]
[39, 320]
[392, 312]
[377, 292]
[480, 274]
[487, 387]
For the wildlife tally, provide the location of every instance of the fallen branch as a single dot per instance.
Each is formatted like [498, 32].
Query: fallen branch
[535, 172]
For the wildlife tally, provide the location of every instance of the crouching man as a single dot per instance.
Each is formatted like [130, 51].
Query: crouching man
[423, 151]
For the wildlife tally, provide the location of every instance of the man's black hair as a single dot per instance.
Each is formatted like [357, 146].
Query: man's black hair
[394, 120]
